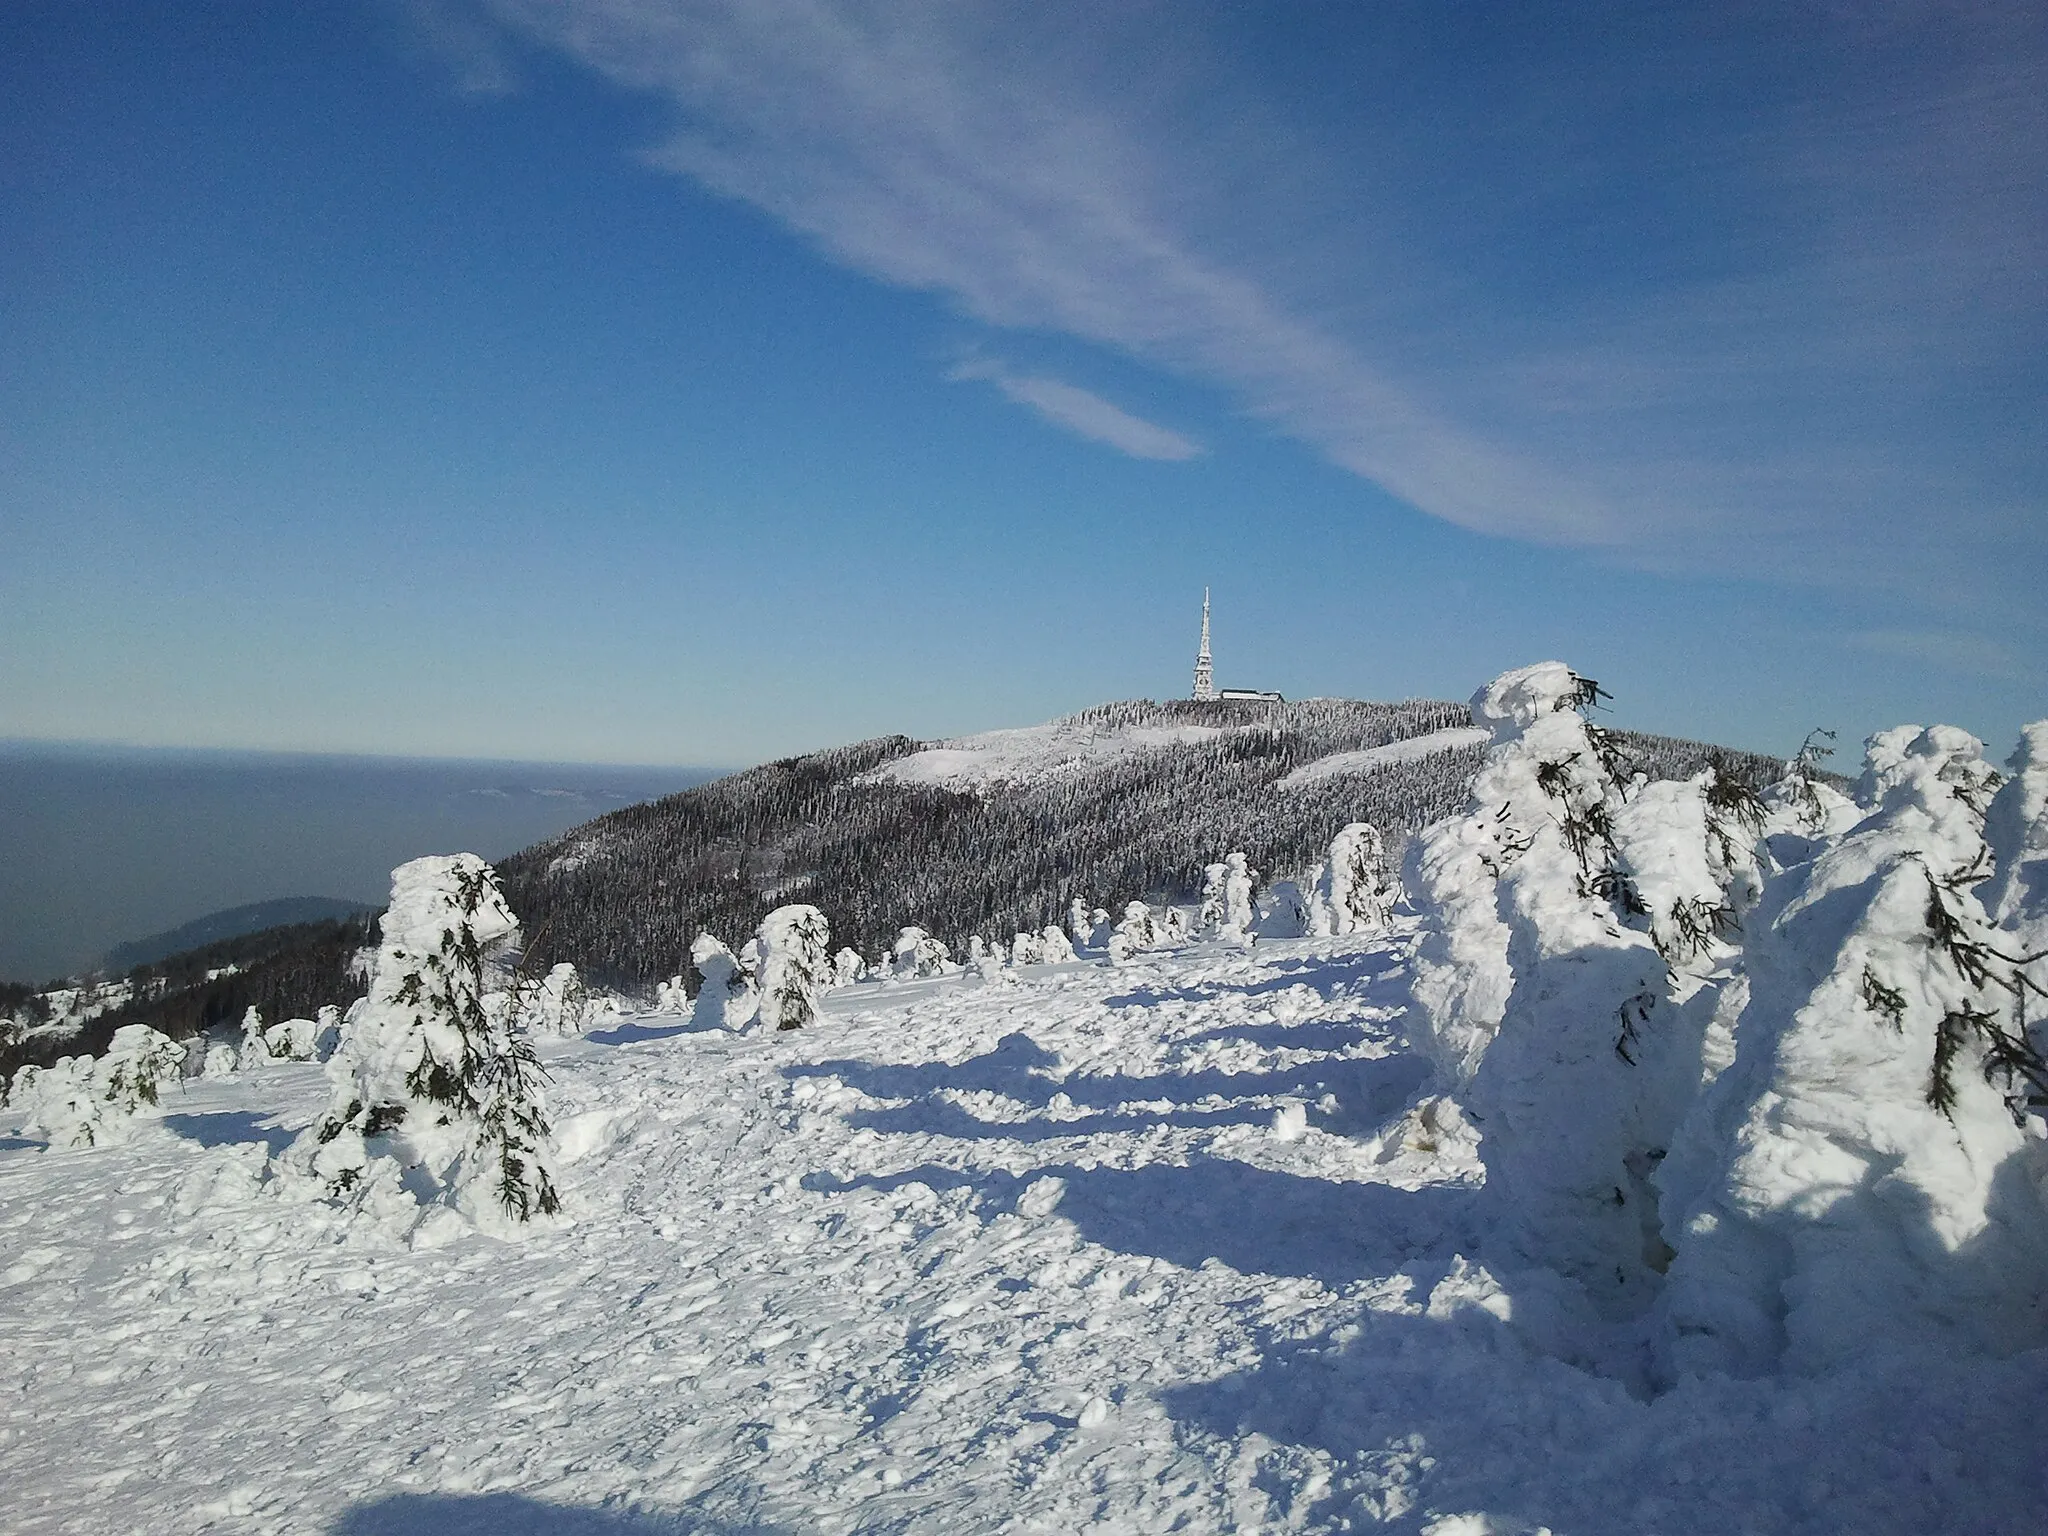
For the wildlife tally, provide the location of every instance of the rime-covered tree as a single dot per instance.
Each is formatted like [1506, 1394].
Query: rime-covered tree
[85, 1101]
[255, 1045]
[1240, 908]
[725, 991]
[1352, 893]
[917, 954]
[1054, 948]
[2016, 837]
[796, 965]
[1862, 1177]
[1137, 932]
[427, 1076]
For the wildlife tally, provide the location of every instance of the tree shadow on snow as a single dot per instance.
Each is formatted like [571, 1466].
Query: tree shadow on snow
[512, 1514]
[1253, 1220]
[1363, 1092]
[230, 1127]
[633, 1032]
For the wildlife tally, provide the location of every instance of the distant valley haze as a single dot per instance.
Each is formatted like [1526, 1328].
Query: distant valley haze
[102, 847]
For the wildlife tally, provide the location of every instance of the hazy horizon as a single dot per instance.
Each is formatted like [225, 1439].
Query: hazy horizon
[107, 844]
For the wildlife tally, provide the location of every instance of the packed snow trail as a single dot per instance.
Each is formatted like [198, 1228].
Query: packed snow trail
[1169, 1245]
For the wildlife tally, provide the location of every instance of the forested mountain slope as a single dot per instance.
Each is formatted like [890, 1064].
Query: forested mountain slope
[996, 833]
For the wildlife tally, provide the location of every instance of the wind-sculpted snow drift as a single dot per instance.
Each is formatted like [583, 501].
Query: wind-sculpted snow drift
[1670, 1157]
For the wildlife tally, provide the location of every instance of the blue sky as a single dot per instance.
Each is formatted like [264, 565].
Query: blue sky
[625, 381]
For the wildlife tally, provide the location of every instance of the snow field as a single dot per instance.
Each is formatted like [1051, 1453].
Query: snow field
[1170, 1245]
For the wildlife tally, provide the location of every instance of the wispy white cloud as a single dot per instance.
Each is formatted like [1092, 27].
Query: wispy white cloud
[1756, 330]
[1950, 650]
[1082, 412]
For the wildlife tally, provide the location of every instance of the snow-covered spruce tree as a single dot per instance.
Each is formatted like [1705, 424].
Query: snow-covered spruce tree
[1862, 1177]
[1137, 932]
[62, 1106]
[1054, 948]
[1081, 923]
[1240, 910]
[556, 1004]
[1545, 1000]
[428, 1078]
[917, 954]
[725, 991]
[1215, 909]
[2016, 832]
[255, 1046]
[848, 968]
[85, 1101]
[293, 1040]
[1284, 912]
[1351, 891]
[1027, 949]
[796, 965]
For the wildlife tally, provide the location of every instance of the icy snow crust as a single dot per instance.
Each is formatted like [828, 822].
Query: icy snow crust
[1171, 1245]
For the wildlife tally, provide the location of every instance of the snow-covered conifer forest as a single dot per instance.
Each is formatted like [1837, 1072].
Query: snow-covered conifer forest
[1305, 1118]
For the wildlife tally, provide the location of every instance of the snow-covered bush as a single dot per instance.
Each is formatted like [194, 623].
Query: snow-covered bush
[725, 992]
[1026, 949]
[293, 1040]
[1351, 893]
[61, 1104]
[557, 1004]
[796, 965]
[218, 1062]
[1284, 912]
[1054, 947]
[1228, 909]
[848, 968]
[427, 1078]
[1139, 930]
[1864, 1177]
[672, 996]
[917, 954]
[85, 1101]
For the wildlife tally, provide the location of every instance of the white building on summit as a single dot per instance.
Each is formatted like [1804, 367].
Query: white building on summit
[1206, 690]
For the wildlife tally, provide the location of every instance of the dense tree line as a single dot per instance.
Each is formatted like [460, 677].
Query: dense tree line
[624, 895]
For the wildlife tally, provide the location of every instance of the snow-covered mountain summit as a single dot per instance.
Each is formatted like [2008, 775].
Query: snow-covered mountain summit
[999, 832]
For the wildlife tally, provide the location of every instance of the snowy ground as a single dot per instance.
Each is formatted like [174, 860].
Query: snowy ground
[1371, 759]
[965, 1258]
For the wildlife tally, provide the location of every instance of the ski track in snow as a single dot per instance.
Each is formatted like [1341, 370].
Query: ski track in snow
[1368, 759]
[963, 1258]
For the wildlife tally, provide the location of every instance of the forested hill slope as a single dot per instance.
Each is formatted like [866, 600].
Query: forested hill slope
[994, 833]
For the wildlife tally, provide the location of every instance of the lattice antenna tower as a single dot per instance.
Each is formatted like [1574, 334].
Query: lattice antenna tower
[1205, 679]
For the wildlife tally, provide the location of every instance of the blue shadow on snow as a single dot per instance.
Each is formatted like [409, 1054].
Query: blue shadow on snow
[230, 1127]
[1253, 1220]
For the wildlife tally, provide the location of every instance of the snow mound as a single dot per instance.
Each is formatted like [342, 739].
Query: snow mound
[1371, 759]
